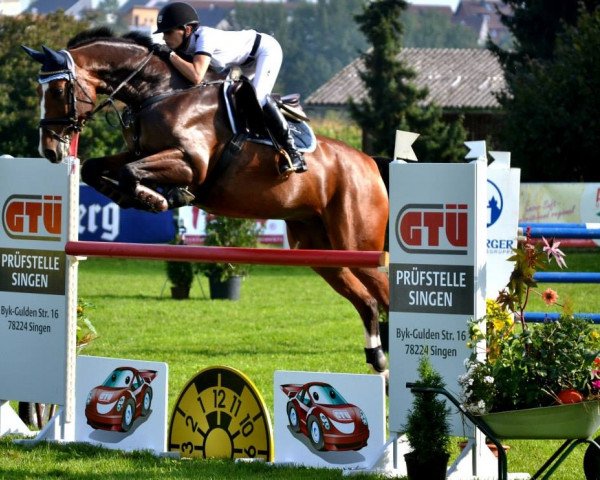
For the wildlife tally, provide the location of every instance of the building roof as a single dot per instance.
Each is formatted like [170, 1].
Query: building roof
[457, 78]
[43, 7]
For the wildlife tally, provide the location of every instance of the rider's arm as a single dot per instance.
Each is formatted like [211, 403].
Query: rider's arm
[194, 71]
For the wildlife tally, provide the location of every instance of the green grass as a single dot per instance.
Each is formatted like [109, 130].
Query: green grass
[287, 319]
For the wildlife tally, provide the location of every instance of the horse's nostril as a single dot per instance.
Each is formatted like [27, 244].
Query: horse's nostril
[50, 154]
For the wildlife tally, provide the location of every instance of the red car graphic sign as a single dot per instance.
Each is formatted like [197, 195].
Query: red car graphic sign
[125, 395]
[320, 412]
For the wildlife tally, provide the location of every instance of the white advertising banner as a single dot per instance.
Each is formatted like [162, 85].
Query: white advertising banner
[121, 403]
[437, 272]
[334, 420]
[193, 221]
[562, 203]
[37, 338]
[502, 224]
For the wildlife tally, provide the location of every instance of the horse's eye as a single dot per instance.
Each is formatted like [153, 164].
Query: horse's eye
[58, 92]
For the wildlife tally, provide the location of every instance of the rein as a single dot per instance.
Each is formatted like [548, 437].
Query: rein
[110, 98]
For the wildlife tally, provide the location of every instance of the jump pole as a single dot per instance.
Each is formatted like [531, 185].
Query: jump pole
[262, 256]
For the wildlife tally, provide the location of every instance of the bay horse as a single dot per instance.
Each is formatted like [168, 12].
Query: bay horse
[178, 138]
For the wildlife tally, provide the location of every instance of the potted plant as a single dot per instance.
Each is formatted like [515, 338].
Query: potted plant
[180, 274]
[225, 278]
[526, 371]
[428, 428]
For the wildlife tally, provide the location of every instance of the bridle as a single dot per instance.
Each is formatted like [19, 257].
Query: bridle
[73, 122]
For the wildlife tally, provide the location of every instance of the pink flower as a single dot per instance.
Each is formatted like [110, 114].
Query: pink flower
[550, 296]
[596, 384]
[551, 249]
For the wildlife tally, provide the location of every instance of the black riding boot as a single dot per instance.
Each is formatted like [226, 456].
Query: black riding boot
[280, 129]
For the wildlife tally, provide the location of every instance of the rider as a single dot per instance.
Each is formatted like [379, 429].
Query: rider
[192, 48]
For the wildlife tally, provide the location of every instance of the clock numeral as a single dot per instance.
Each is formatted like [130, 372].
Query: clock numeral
[250, 451]
[247, 425]
[235, 406]
[218, 398]
[187, 447]
[190, 422]
[199, 399]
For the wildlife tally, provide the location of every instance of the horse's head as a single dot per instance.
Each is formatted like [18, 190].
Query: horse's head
[64, 102]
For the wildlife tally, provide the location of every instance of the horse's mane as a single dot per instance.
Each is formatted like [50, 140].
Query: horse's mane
[105, 33]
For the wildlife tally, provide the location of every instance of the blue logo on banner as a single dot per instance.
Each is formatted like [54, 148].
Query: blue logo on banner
[495, 203]
[102, 220]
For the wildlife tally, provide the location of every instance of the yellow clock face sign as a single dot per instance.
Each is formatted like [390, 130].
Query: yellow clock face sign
[220, 414]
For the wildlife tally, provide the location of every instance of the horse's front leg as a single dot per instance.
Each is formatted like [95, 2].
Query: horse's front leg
[164, 168]
[102, 174]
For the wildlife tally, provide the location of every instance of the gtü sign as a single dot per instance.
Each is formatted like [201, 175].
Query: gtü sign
[33, 217]
[433, 228]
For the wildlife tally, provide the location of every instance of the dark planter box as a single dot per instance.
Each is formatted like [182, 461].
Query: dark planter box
[434, 469]
[180, 292]
[227, 290]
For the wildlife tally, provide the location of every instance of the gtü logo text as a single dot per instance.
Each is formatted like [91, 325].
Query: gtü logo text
[433, 228]
[33, 217]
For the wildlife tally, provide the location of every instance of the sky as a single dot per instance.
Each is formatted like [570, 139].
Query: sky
[451, 3]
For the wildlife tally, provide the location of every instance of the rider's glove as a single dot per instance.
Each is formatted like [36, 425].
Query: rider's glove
[162, 51]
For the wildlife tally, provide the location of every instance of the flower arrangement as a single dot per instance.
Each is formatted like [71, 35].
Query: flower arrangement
[228, 232]
[86, 332]
[527, 366]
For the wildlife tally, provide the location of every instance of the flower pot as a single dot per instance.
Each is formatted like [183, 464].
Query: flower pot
[180, 292]
[432, 469]
[570, 421]
[228, 289]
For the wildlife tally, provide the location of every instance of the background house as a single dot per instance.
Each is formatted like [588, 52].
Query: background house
[460, 81]
[482, 17]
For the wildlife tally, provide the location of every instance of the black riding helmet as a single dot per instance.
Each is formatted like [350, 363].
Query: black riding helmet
[176, 14]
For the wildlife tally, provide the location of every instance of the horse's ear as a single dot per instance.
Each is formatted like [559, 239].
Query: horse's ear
[37, 56]
[53, 55]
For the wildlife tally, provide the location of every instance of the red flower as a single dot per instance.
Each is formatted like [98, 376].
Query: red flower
[550, 296]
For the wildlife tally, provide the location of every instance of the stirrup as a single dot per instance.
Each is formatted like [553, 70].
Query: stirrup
[285, 166]
[289, 165]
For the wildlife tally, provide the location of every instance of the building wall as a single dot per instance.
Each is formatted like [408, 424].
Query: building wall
[13, 7]
[142, 18]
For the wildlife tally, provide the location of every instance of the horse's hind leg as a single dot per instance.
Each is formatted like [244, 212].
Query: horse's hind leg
[348, 285]
[343, 281]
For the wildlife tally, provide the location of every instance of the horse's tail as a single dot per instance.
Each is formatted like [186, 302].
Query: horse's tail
[384, 170]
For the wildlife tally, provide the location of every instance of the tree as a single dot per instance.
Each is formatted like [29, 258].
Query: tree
[552, 122]
[394, 103]
[546, 117]
[318, 39]
[323, 39]
[107, 14]
[534, 25]
[19, 104]
[429, 28]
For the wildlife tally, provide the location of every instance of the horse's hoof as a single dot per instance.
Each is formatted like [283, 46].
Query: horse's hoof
[154, 200]
[376, 358]
[179, 197]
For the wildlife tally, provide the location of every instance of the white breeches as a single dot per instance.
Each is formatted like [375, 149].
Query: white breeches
[268, 62]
